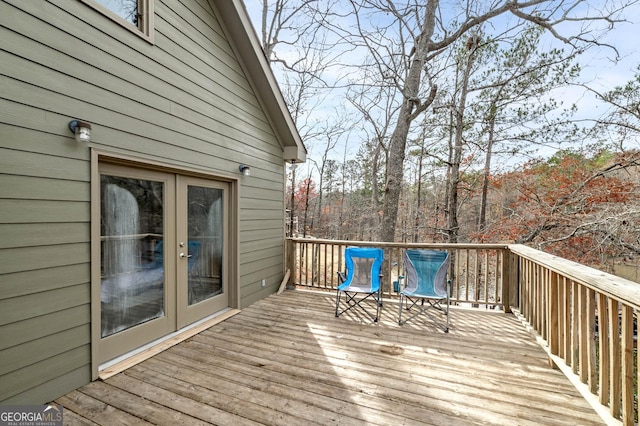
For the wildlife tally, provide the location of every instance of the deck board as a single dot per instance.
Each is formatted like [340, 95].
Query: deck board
[287, 360]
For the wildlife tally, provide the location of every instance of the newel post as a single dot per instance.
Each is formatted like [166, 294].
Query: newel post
[510, 279]
[506, 279]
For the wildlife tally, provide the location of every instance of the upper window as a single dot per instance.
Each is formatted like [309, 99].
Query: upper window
[133, 14]
[127, 9]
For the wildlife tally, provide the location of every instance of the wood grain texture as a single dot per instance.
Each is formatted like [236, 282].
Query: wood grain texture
[287, 360]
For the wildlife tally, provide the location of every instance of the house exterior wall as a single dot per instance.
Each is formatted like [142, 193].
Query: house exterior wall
[182, 100]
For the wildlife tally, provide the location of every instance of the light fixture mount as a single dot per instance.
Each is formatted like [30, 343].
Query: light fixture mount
[81, 130]
[245, 170]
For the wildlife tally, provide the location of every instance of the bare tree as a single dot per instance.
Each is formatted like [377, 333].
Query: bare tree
[375, 100]
[332, 132]
[406, 40]
[620, 124]
[296, 44]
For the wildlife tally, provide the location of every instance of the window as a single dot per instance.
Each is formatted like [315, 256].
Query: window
[136, 15]
[127, 9]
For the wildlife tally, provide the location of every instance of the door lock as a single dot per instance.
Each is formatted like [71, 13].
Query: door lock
[182, 255]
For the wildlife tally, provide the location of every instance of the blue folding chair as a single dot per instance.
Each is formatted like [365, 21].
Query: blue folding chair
[361, 283]
[425, 280]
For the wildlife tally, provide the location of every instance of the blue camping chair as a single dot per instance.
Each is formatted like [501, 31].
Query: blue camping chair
[361, 283]
[425, 280]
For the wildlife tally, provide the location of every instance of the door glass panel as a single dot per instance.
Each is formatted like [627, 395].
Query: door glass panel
[205, 242]
[132, 255]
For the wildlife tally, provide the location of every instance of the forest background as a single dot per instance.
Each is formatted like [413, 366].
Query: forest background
[464, 121]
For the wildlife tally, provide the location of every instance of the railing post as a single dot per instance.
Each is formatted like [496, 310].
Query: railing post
[628, 410]
[508, 279]
[566, 320]
[583, 333]
[592, 379]
[554, 314]
[603, 342]
[615, 387]
[575, 320]
[515, 280]
[291, 261]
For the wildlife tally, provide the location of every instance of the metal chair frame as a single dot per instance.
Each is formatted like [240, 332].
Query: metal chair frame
[434, 288]
[352, 285]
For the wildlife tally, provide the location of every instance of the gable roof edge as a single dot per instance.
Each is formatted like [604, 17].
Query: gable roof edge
[237, 24]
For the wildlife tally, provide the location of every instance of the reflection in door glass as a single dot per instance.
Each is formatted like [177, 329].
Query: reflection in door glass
[132, 260]
[205, 235]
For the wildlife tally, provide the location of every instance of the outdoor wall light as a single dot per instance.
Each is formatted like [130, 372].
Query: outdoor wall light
[81, 129]
[293, 165]
[245, 170]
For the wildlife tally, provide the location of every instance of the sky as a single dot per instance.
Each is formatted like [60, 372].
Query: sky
[600, 70]
[599, 67]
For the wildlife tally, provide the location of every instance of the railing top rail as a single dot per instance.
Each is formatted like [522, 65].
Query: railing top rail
[618, 288]
[403, 245]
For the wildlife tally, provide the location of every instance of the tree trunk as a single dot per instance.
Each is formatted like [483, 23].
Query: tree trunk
[398, 143]
[319, 222]
[306, 206]
[416, 231]
[482, 223]
[375, 167]
[457, 149]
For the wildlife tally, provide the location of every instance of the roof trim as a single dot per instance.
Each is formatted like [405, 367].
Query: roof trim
[245, 42]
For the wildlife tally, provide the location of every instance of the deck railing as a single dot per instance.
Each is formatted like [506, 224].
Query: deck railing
[478, 271]
[585, 318]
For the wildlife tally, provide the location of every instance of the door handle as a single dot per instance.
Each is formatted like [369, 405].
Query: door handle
[182, 255]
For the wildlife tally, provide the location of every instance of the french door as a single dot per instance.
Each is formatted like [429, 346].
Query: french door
[163, 254]
[202, 235]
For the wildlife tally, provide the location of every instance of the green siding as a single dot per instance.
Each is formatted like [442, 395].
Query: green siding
[42, 234]
[61, 384]
[34, 328]
[183, 100]
[28, 211]
[39, 280]
[21, 386]
[39, 304]
[43, 165]
[24, 355]
[36, 188]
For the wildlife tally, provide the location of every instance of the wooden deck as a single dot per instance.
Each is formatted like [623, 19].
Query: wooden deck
[287, 360]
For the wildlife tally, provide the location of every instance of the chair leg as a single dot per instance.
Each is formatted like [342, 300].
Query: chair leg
[352, 301]
[422, 309]
[446, 330]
